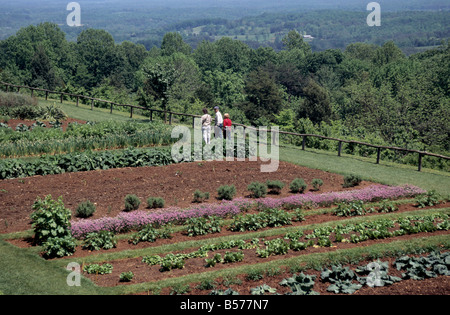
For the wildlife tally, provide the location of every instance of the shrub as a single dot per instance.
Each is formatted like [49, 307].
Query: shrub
[258, 190]
[85, 209]
[231, 257]
[317, 183]
[126, 276]
[56, 247]
[98, 269]
[50, 219]
[203, 226]
[298, 185]
[226, 192]
[428, 199]
[275, 186]
[351, 181]
[132, 202]
[155, 202]
[200, 197]
[100, 240]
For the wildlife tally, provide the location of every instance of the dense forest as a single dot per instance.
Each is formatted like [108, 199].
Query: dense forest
[369, 92]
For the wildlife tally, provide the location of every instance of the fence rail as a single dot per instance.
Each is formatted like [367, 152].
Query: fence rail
[169, 120]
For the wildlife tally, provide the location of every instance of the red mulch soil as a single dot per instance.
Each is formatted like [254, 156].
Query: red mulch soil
[176, 183]
[13, 123]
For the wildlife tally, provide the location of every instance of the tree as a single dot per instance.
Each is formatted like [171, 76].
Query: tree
[317, 103]
[173, 43]
[42, 72]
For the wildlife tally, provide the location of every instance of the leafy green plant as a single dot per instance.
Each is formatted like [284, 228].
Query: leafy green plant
[350, 209]
[126, 276]
[217, 258]
[231, 257]
[50, 219]
[155, 202]
[151, 234]
[57, 247]
[351, 181]
[262, 289]
[387, 206]
[85, 209]
[317, 183]
[254, 274]
[428, 199]
[226, 192]
[341, 279]
[171, 261]
[257, 189]
[100, 240]
[200, 196]
[300, 284]
[275, 186]
[132, 202]
[298, 185]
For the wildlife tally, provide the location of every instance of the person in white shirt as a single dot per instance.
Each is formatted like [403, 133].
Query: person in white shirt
[218, 128]
[206, 126]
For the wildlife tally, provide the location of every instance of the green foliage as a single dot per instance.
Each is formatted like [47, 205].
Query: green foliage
[155, 202]
[275, 186]
[300, 284]
[98, 269]
[258, 190]
[50, 219]
[262, 290]
[232, 257]
[151, 234]
[203, 226]
[171, 261]
[126, 276]
[341, 279]
[428, 199]
[351, 181]
[317, 183]
[298, 185]
[99, 240]
[267, 218]
[132, 202]
[200, 197]
[349, 209]
[85, 209]
[226, 192]
[57, 247]
[274, 247]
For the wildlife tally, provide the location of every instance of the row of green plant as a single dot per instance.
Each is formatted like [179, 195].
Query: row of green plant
[81, 137]
[103, 269]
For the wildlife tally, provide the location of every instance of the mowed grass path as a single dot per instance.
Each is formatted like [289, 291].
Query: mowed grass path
[23, 272]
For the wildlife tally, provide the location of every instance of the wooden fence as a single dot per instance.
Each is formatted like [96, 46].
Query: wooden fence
[168, 118]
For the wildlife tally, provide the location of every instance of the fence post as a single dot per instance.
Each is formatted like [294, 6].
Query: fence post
[111, 108]
[32, 92]
[339, 148]
[7, 88]
[378, 155]
[304, 143]
[92, 104]
[78, 99]
[131, 111]
[165, 117]
[193, 122]
[170, 118]
[420, 161]
[46, 95]
[151, 115]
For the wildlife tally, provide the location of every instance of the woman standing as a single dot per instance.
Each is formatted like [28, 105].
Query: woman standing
[206, 126]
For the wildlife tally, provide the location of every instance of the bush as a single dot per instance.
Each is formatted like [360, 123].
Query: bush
[203, 226]
[100, 240]
[132, 202]
[57, 247]
[275, 186]
[258, 190]
[351, 181]
[226, 192]
[98, 269]
[317, 183]
[85, 209]
[298, 185]
[50, 219]
[126, 276]
[155, 202]
[200, 197]
[428, 199]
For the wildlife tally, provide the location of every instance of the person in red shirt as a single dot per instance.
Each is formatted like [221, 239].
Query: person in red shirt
[227, 126]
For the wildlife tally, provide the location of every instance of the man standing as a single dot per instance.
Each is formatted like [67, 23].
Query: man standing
[218, 128]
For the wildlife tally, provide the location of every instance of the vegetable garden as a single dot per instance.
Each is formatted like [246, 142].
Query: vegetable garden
[109, 197]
